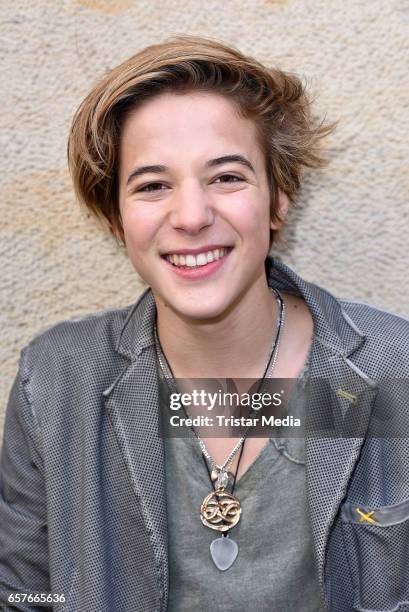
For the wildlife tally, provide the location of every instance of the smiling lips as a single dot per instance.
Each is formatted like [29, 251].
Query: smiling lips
[198, 260]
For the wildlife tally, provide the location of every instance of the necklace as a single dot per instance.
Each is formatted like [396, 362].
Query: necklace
[219, 473]
[221, 510]
[224, 550]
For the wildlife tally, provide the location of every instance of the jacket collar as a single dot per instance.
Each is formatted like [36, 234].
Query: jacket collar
[331, 325]
[137, 331]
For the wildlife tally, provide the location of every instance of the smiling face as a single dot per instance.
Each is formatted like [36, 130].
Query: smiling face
[195, 204]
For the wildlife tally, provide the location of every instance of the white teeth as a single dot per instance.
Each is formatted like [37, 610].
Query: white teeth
[201, 259]
[193, 261]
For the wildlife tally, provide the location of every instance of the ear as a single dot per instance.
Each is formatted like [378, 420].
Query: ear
[282, 210]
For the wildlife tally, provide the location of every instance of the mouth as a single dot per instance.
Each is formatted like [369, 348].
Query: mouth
[192, 261]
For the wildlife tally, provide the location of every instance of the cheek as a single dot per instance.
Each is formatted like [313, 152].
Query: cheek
[251, 216]
[140, 227]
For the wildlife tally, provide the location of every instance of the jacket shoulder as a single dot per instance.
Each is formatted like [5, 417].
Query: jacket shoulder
[376, 322]
[81, 345]
[88, 332]
[385, 352]
[70, 360]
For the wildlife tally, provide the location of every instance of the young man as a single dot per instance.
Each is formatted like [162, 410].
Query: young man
[192, 153]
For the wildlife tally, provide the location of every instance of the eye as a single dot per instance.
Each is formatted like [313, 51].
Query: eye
[229, 178]
[151, 188]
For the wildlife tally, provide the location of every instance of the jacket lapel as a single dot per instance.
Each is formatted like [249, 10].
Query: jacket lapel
[339, 404]
[339, 407]
[132, 404]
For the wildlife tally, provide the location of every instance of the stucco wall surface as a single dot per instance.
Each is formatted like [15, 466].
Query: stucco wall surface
[350, 233]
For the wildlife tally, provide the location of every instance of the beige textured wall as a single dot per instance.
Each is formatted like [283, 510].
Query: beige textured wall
[351, 233]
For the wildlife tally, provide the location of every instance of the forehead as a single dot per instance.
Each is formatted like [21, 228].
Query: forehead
[187, 126]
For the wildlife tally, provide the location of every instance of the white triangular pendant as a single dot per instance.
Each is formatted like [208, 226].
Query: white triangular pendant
[223, 551]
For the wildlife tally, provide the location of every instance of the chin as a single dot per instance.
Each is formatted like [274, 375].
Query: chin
[199, 312]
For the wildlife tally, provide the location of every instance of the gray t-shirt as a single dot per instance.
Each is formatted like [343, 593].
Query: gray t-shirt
[274, 569]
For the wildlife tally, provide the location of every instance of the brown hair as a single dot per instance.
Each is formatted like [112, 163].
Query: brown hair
[276, 101]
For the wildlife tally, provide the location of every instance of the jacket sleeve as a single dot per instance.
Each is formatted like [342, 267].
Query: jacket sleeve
[23, 525]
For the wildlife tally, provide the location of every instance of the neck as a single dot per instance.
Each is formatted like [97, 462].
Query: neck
[235, 345]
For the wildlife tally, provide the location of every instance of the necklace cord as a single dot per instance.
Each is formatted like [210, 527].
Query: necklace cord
[271, 361]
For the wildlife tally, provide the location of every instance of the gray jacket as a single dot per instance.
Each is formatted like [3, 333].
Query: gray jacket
[82, 485]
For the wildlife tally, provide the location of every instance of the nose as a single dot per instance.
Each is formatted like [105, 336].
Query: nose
[191, 208]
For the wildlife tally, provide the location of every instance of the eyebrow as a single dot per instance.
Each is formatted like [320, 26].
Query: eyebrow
[212, 163]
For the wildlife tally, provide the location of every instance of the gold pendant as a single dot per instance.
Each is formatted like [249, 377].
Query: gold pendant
[220, 510]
